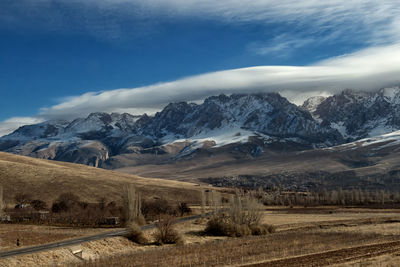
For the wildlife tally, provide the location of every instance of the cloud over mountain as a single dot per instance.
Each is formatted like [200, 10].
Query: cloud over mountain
[374, 24]
[367, 69]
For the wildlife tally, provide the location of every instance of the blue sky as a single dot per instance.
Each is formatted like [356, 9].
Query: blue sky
[68, 58]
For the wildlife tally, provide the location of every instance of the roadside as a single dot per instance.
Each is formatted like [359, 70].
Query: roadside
[343, 233]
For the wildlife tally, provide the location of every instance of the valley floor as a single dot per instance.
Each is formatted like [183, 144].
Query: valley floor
[304, 236]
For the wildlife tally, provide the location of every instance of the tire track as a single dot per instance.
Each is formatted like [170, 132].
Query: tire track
[334, 256]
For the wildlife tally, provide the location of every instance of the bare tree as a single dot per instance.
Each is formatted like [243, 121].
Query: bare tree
[245, 210]
[215, 201]
[1, 201]
[133, 205]
[203, 203]
[166, 233]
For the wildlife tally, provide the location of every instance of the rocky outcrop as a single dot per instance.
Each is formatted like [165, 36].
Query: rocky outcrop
[359, 114]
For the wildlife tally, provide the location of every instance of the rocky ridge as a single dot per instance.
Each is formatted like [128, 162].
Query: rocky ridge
[246, 123]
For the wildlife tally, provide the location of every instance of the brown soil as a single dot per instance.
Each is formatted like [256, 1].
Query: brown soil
[335, 256]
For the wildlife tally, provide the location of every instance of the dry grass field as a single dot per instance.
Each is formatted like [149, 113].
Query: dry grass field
[46, 180]
[346, 237]
[30, 235]
[313, 236]
[225, 161]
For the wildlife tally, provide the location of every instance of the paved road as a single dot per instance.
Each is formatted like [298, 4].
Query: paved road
[80, 240]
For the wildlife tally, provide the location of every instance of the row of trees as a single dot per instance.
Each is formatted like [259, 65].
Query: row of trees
[325, 197]
[69, 209]
[140, 210]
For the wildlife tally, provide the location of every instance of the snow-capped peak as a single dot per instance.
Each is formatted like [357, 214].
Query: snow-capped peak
[312, 103]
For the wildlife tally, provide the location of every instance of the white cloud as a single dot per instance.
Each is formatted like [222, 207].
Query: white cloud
[282, 45]
[376, 22]
[367, 69]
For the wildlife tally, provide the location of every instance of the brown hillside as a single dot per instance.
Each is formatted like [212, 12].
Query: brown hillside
[46, 180]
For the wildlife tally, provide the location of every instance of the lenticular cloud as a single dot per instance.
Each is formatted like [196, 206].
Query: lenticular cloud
[368, 69]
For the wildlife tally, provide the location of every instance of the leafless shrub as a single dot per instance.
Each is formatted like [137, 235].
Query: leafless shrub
[223, 226]
[245, 210]
[244, 214]
[136, 234]
[165, 233]
[262, 229]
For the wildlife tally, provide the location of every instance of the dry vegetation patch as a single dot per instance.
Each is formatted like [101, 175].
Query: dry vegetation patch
[239, 250]
[30, 235]
[200, 250]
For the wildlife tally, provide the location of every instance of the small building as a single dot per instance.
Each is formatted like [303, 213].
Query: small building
[5, 218]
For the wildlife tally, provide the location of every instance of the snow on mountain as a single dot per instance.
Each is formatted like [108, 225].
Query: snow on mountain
[266, 114]
[262, 120]
[388, 140]
[220, 137]
[358, 115]
[373, 144]
[312, 103]
[219, 121]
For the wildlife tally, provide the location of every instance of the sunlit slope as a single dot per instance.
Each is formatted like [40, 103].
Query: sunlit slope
[46, 179]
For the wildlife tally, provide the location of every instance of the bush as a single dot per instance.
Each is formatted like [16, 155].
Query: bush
[262, 229]
[223, 226]
[166, 234]
[152, 209]
[242, 219]
[140, 220]
[184, 208]
[68, 198]
[271, 229]
[136, 234]
[65, 202]
[218, 226]
[59, 207]
[38, 204]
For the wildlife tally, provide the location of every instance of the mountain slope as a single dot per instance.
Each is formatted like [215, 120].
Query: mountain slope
[180, 129]
[359, 114]
[46, 180]
[370, 164]
[237, 128]
[253, 139]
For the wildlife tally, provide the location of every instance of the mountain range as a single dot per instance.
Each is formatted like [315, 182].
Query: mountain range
[241, 126]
